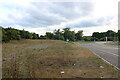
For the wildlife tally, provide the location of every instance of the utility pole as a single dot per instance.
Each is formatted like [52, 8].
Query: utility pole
[106, 38]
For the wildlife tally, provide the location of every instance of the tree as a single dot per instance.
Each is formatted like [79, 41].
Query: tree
[111, 35]
[15, 34]
[87, 38]
[0, 34]
[69, 34]
[66, 33]
[119, 35]
[12, 34]
[4, 36]
[25, 34]
[49, 35]
[62, 37]
[35, 36]
[79, 35]
[58, 35]
[42, 37]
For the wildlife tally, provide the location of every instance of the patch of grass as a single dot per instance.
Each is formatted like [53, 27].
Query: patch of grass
[70, 42]
[47, 58]
[84, 42]
[112, 43]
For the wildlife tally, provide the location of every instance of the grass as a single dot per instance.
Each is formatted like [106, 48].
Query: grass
[47, 58]
[86, 42]
[112, 43]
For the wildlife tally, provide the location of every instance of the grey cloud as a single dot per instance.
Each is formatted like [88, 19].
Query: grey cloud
[67, 9]
[91, 22]
[46, 14]
[43, 14]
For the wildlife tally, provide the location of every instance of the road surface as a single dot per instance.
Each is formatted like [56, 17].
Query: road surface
[108, 53]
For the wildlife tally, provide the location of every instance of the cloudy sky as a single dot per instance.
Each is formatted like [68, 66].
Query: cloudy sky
[41, 15]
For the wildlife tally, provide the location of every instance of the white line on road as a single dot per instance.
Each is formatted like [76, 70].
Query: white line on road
[107, 52]
[105, 60]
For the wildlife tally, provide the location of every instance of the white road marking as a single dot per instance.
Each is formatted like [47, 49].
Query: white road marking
[104, 59]
[108, 52]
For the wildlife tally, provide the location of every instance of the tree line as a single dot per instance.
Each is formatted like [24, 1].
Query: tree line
[110, 35]
[15, 34]
[65, 34]
[101, 36]
[59, 34]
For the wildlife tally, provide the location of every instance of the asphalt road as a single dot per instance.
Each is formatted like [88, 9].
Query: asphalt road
[108, 53]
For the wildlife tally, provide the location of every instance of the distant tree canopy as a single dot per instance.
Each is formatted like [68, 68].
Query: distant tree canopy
[15, 34]
[87, 38]
[111, 35]
[64, 34]
[118, 35]
[49, 35]
[79, 35]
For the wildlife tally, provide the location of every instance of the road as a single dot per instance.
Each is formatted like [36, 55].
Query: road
[108, 53]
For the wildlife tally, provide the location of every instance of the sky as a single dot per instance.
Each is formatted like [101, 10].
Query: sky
[41, 16]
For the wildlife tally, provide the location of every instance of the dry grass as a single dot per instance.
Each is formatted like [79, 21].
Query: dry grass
[47, 58]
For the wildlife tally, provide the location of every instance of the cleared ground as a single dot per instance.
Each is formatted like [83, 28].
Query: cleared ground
[48, 58]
